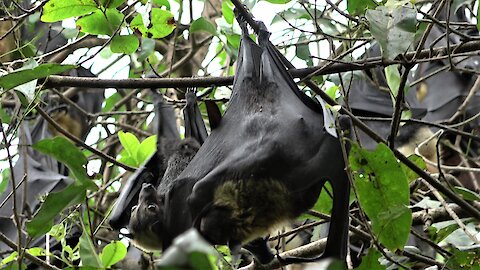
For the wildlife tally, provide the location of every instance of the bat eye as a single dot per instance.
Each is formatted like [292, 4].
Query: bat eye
[134, 208]
[152, 207]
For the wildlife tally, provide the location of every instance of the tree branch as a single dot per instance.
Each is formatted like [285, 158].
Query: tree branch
[363, 64]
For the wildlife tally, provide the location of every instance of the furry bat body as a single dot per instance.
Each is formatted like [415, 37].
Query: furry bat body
[265, 164]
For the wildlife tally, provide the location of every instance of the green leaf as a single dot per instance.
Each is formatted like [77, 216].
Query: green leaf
[99, 23]
[67, 153]
[162, 3]
[358, 7]
[53, 205]
[278, 1]
[37, 251]
[124, 44]
[163, 23]
[146, 149]
[88, 254]
[28, 89]
[10, 258]
[383, 193]
[290, 15]
[113, 253]
[129, 142]
[5, 178]
[227, 11]
[58, 231]
[370, 262]
[333, 91]
[393, 29]
[203, 25]
[5, 117]
[393, 79]
[111, 3]
[111, 101]
[20, 77]
[303, 51]
[464, 260]
[324, 202]
[182, 249]
[57, 10]
[234, 41]
[411, 175]
[393, 4]
[467, 194]
[439, 231]
[200, 261]
[137, 24]
[147, 48]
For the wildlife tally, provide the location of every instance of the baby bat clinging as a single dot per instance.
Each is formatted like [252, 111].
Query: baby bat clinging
[146, 221]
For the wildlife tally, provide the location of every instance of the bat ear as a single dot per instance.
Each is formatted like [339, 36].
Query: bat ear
[263, 33]
[214, 114]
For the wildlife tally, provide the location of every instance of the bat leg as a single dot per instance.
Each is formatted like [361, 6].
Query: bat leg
[260, 249]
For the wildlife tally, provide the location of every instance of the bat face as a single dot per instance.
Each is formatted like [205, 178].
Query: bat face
[266, 161]
[146, 219]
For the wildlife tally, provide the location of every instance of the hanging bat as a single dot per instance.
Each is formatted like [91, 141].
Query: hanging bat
[45, 174]
[153, 169]
[265, 163]
[172, 156]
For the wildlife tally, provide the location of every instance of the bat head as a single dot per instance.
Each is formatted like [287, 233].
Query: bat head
[146, 222]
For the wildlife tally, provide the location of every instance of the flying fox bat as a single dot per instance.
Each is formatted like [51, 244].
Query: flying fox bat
[146, 222]
[264, 164]
[171, 157]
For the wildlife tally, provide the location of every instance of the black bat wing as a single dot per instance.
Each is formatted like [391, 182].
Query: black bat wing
[214, 114]
[194, 125]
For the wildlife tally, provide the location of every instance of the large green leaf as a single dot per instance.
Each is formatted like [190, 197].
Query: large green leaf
[358, 7]
[124, 44]
[28, 89]
[203, 25]
[162, 3]
[302, 51]
[383, 193]
[370, 262]
[394, 28]
[64, 151]
[129, 142]
[138, 25]
[227, 11]
[101, 22]
[464, 259]
[146, 149]
[88, 254]
[163, 23]
[411, 175]
[20, 77]
[53, 205]
[112, 3]
[57, 10]
[291, 14]
[113, 253]
[67, 153]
